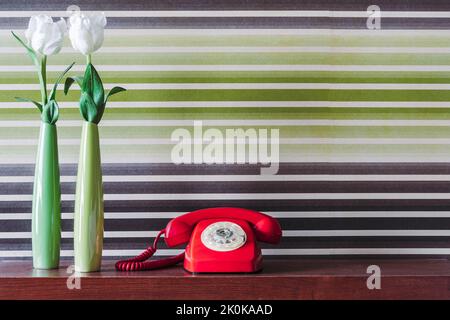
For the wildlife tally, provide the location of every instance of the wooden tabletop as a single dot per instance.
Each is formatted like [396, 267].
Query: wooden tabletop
[280, 279]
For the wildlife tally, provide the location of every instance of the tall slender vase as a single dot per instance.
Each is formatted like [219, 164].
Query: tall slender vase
[46, 211]
[88, 217]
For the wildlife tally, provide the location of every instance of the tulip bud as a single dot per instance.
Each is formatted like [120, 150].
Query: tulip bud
[87, 31]
[44, 35]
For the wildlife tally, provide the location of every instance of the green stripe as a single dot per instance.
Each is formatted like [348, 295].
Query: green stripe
[110, 153]
[142, 132]
[413, 38]
[246, 77]
[178, 77]
[178, 59]
[261, 58]
[172, 113]
[316, 150]
[185, 95]
[244, 113]
[194, 41]
[254, 95]
[285, 132]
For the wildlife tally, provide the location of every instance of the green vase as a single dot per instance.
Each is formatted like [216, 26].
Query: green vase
[88, 217]
[46, 211]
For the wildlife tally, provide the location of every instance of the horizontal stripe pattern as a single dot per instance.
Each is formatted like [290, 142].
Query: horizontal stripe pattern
[362, 115]
[134, 227]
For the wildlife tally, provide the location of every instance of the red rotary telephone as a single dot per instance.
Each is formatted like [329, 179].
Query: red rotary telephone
[220, 240]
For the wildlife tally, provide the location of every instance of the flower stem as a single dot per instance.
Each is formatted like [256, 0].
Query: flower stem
[43, 79]
[88, 59]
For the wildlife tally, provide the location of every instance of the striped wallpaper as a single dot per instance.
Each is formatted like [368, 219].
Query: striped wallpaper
[363, 116]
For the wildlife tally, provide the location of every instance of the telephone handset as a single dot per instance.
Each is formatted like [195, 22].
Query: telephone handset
[220, 240]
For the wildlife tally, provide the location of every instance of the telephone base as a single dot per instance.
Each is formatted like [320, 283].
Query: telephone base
[200, 259]
[237, 273]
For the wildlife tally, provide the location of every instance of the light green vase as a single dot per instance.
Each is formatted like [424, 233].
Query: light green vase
[88, 217]
[46, 211]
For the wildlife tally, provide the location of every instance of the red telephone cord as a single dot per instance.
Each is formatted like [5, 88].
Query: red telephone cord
[138, 263]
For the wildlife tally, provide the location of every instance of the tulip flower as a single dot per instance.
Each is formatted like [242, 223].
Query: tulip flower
[87, 32]
[45, 38]
[44, 35]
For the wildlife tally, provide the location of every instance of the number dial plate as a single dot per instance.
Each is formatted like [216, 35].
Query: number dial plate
[223, 236]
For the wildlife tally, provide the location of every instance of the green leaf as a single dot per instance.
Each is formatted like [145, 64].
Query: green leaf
[37, 104]
[55, 86]
[93, 86]
[100, 111]
[50, 112]
[40, 65]
[70, 81]
[30, 51]
[113, 91]
[88, 108]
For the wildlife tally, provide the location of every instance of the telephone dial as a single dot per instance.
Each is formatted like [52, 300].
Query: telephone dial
[220, 240]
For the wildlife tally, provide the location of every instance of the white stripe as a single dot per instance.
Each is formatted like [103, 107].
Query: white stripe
[393, 14]
[105, 253]
[366, 233]
[201, 50]
[237, 13]
[276, 214]
[259, 196]
[69, 234]
[243, 68]
[286, 233]
[249, 196]
[254, 86]
[188, 104]
[395, 156]
[150, 68]
[236, 49]
[247, 104]
[265, 196]
[380, 68]
[180, 13]
[359, 251]
[283, 141]
[261, 32]
[327, 251]
[372, 141]
[239, 178]
[202, 104]
[313, 157]
[236, 122]
[150, 142]
[107, 215]
[270, 31]
[359, 214]
[285, 177]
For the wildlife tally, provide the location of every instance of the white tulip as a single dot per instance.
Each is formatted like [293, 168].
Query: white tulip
[44, 35]
[87, 31]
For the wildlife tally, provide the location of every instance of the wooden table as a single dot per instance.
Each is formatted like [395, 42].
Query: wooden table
[281, 279]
